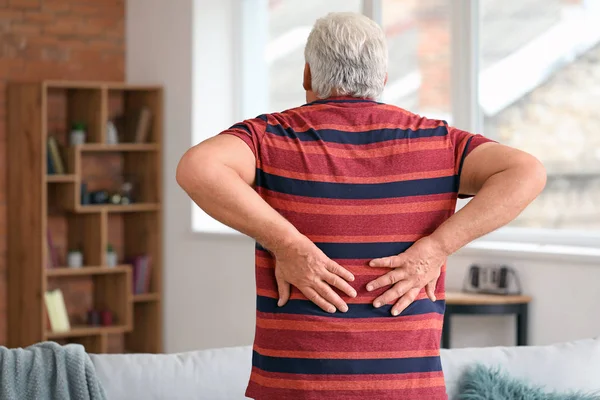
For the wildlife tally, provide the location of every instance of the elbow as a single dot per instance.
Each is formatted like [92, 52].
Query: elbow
[535, 174]
[188, 169]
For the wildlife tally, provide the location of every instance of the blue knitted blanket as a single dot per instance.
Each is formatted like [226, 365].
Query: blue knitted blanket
[48, 371]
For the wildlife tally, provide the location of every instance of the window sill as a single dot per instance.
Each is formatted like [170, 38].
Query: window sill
[531, 251]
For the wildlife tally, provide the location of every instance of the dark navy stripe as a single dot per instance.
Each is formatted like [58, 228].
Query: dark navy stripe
[364, 137]
[331, 190]
[355, 251]
[242, 127]
[306, 307]
[464, 155]
[363, 250]
[346, 367]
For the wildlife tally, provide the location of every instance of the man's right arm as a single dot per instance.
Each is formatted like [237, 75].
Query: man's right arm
[504, 182]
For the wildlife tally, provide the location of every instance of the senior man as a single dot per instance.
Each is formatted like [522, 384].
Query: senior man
[352, 205]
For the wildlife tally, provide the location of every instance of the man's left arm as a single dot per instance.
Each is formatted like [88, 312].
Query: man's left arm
[218, 175]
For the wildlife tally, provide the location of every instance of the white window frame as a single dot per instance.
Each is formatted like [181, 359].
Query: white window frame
[249, 77]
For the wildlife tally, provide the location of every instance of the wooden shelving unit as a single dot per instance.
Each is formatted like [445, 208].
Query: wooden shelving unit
[39, 203]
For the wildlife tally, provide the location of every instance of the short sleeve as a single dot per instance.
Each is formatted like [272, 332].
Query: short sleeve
[464, 143]
[251, 131]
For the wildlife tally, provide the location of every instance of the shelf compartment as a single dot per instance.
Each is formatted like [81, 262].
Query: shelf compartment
[67, 106]
[146, 336]
[112, 208]
[146, 297]
[83, 330]
[62, 178]
[86, 271]
[121, 147]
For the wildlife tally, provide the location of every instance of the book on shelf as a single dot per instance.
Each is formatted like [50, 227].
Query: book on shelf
[51, 251]
[142, 268]
[55, 158]
[49, 164]
[142, 127]
[57, 311]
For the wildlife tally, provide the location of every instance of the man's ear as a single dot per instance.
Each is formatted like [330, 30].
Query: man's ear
[307, 81]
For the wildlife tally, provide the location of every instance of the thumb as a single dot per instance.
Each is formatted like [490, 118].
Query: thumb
[284, 291]
[430, 290]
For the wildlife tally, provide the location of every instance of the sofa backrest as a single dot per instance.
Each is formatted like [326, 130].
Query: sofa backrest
[222, 374]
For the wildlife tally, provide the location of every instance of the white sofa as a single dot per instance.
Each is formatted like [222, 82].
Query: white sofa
[222, 374]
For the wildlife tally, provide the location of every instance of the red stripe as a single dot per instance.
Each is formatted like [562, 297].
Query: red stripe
[346, 355]
[274, 146]
[334, 336]
[356, 179]
[331, 113]
[301, 125]
[267, 194]
[363, 225]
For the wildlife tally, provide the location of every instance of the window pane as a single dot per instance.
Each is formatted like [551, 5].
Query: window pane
[290, 22]
[539, 90]
[418, 33]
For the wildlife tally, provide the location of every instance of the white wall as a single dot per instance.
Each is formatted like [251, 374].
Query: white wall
[209, 295]
[209, 279]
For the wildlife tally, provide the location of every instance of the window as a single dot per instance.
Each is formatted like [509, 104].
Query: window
[419, 73]
[539, 87]
[290, 22]
[523, 72]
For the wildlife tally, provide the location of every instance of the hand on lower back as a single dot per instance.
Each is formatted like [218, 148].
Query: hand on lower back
[306, 267]
[418, 267]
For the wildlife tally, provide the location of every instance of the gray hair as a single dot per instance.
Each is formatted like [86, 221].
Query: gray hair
[347, 52]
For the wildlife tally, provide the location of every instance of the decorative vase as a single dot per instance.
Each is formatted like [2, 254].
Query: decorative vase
[112, 136]
[75, 259]
[77, 135]
[111, 259]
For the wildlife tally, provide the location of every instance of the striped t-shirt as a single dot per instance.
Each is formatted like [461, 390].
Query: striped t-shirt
[362, 180]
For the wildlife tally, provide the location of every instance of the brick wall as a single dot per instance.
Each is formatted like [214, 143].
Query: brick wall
[54, 39]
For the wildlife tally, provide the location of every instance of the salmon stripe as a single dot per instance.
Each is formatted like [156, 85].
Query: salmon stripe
[341, 355]
[364, 239]
[359, 299]
[300, 125]
[344, 326]
[348, 384]
[320, 319]
[341, 377]
[442, 205]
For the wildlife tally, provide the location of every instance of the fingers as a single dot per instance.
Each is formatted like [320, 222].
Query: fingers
[394, 293]
[316, 298]
[340, 271]
[405, 301]
[430, 290]
[327, 293]
[387, 262]
[388, 279]
[336, 281]
[284, 291]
